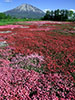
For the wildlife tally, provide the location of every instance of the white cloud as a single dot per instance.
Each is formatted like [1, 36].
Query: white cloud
[72, 10]
[46, 10]
[8, 0]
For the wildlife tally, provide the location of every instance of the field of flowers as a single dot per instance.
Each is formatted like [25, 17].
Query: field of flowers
[37, 61]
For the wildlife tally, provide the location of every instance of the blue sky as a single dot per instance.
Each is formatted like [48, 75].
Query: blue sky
[41, 4]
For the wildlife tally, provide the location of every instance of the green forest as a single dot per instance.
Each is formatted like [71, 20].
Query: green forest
[59, 15]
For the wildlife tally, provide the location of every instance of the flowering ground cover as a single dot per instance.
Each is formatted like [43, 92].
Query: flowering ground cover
[37, 61]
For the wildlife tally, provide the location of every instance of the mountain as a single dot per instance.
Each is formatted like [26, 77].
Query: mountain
[25, 11]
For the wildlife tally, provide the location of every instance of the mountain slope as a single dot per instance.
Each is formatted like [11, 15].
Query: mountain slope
[25, 10]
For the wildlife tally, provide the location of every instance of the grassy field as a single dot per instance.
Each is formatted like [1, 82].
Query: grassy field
[12, 21]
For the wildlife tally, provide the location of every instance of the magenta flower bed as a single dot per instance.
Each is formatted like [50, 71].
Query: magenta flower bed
[37, 61]
[19, 84]
[9, 26]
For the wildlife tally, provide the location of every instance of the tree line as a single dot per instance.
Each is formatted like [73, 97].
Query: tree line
[59, 15]
[4, 16]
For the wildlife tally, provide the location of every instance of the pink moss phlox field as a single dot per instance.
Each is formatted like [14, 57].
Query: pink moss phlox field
[9, 26]
[55, 45]
[45, 22]
[4, 62]
[9, 58]
[20, 84]
[39, 61]
[33, 61]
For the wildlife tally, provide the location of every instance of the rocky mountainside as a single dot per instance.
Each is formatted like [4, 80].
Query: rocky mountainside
[25, 10]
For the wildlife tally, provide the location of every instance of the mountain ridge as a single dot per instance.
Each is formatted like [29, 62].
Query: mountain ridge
[25, 11]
